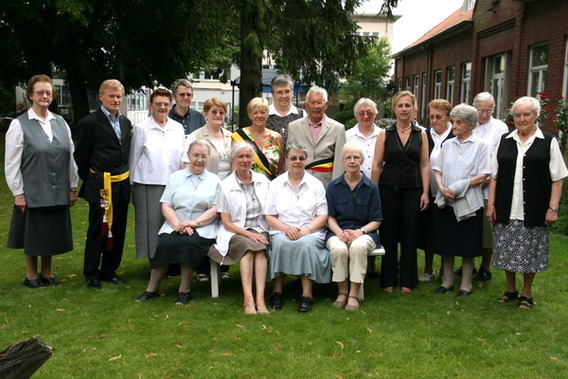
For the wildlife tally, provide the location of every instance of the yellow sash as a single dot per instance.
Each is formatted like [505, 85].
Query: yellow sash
[106, 192]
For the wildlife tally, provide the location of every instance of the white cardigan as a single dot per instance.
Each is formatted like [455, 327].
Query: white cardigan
[236, 199]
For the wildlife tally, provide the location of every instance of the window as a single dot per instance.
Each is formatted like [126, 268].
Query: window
[407, 83]
[399, 84]
[437, 84]
[565, 82]
[496, 79]
[416, 86]
[424, 94]
[538, 69]
[450, 83]
[465, 82]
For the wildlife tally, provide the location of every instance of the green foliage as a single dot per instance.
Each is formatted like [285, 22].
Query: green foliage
[370, 75]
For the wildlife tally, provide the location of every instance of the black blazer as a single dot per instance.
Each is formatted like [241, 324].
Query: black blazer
[98, 148]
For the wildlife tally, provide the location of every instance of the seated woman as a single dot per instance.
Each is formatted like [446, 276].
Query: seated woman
[267, 144]
[296, 211]
[462, 166]
[189, 207]
[355, 212]
[243, 235]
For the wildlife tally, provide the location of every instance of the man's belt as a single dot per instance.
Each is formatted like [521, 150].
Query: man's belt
[106, 192]
[323, 165]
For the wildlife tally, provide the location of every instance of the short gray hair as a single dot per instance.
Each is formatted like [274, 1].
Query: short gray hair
[318, 90]
[365, 101]
[534, 104]
[465, 112]
[240, 146]
[199, 142]
[352, 145]
[296, 146]
[484, 96]
[280, 81]
[181, 82]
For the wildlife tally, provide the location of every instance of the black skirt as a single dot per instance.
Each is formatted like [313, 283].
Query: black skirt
[459, 239]
[181, 248]
[44, 231]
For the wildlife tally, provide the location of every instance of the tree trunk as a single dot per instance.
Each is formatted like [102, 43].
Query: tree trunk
[251, 60]
[79, 99]
[22, 359]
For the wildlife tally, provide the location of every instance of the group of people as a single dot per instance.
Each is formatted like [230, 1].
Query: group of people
[291, 194]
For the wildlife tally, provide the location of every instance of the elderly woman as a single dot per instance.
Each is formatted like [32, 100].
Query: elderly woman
[462, 166]
[189, 207]
[243, 235]
[524, 194]
[42, 176]
[402, 170]
[354, 215]
[439, 131]
[218, 138]
[282, 112]
[296, 211]
[155, 153]
[268, 146]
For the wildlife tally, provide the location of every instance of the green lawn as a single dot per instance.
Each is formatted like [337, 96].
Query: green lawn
[105, 334]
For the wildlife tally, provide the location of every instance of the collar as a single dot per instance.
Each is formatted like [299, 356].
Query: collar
[376, 131]
[189, 174]
[173, 110]
[515, 134]
[34, 116]
[363, 182]
[443, 135]
[272, 110]
[108, 115]
[471, 138]
[312, 125]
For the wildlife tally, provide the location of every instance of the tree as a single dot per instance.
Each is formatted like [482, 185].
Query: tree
[369, 78]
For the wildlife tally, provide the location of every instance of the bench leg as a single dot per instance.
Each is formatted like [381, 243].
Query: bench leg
[215, 275]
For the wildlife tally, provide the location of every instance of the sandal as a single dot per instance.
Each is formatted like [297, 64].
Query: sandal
[388, 289]
[405, 290]
[261, 309]
[340, 303]
[350, 307]
[508, 296]
[525, 302]
[249, 309]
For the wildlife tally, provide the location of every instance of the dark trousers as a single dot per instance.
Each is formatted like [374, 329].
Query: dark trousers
[401, 211]
[100, 262]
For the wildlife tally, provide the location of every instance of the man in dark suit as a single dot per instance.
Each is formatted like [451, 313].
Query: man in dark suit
[101, 153]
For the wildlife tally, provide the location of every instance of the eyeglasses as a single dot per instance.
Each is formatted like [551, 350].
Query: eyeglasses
[283, 92]
[185, 94]
[486, 111]
[297, 158]
[319, 103]
[365, 113]
[161, 104]
[199, 156]
[43, 92]
[435, 117]
[214, 112]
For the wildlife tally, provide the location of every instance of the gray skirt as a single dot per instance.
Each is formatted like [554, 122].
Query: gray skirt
[518, 248]
[238, 246]
[148, 218]
[42, 231]
[305, 256]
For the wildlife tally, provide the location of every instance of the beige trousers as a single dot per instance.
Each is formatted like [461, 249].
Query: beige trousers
[349, 259]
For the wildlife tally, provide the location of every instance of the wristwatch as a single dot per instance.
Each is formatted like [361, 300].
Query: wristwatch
[553, 208]
[363, 230]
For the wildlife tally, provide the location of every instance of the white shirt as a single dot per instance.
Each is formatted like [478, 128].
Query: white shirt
[296, 207]
[15, 148]
[490, 133]
[367, 143]
[438, 139]
[293, 110]
[556, 166]
[156, 152]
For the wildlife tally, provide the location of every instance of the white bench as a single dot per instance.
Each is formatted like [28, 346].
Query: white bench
[375, 253]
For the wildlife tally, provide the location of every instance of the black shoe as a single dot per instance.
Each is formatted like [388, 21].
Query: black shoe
[146, 296]
[49, 281]
[482, 276]
[116, 280]
[459, 271]
[442, 290]
[183, 298]
[305, 304]
[276, 301]
[463, 293]
[32, 283]
[94, 283]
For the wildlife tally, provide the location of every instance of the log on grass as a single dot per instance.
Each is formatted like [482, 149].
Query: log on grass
[22, 359]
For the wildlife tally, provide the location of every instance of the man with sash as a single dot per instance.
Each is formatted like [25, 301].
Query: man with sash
[322, 136]
[101, 153]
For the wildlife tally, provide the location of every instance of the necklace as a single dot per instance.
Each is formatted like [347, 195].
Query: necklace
[195, 183]
[404, 130]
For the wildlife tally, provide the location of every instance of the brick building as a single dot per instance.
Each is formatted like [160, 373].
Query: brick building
[510, 48]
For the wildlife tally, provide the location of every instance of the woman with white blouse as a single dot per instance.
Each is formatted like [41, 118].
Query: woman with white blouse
[296, 211]
[156, 152]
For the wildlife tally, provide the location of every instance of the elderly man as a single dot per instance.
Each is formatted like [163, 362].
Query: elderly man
[101, 153]
[282, 112]
[181, 112]
[321, 136]
[490, 131]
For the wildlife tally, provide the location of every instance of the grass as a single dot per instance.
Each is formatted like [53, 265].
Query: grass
[105, 334]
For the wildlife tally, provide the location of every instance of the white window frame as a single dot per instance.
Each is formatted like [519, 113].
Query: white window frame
[465, 82]
[540, 71]
[450, 83]
[437, 84]
[496, 80]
